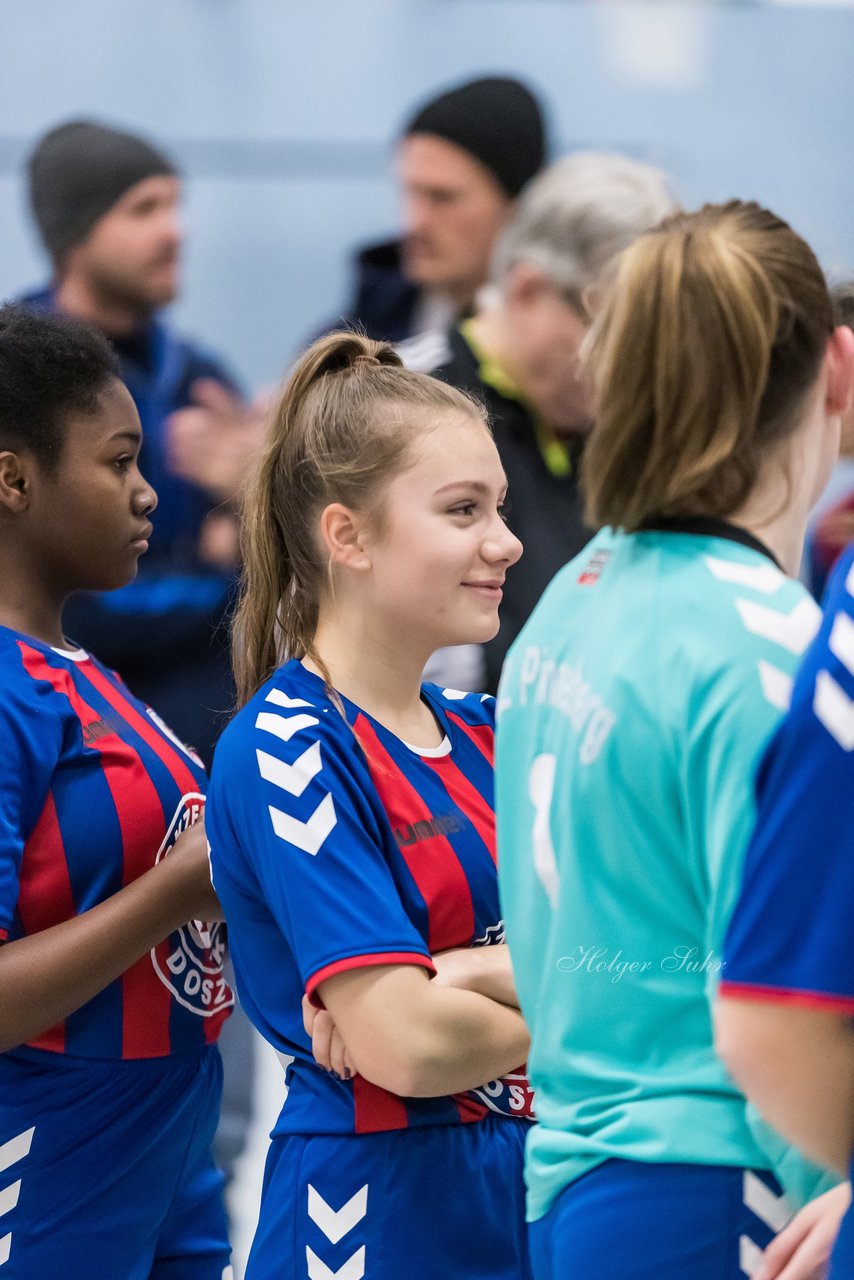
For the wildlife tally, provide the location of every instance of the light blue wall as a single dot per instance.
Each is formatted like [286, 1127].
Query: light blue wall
[282, 113]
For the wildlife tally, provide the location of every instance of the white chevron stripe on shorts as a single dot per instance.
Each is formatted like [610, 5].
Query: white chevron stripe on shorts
[10, 1153]
[749, 1255]
[16, 1148]
[772, 1209]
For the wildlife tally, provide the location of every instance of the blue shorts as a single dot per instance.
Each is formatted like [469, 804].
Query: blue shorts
[842, 1261]
[635, 1221]
[434, 1203]
[105, 1168]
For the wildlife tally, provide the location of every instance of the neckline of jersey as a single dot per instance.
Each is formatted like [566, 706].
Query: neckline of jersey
[442, 751]
[74, 655]
[709, 527]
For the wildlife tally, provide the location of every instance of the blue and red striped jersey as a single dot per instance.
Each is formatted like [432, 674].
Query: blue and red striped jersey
[334, 845]
[790, 938]
[94, 790]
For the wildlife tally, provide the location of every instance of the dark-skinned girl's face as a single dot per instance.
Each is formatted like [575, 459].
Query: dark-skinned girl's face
[87, 522]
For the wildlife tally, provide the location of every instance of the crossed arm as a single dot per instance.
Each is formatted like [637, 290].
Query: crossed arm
[417, 1037]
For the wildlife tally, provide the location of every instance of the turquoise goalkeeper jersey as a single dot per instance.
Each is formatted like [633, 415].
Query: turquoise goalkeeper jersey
[633, 710]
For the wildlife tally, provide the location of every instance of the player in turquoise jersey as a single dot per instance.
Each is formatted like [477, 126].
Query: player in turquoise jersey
[632, 713]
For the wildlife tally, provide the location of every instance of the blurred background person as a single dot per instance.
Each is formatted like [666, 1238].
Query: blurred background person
[106, 204]
[462, 160]
[518, 353]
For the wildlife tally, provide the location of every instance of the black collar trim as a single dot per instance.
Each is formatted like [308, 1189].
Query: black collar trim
[708, 527]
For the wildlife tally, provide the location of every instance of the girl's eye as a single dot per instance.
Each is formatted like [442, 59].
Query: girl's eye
[123, 462]
[463, 509]
[504, 510]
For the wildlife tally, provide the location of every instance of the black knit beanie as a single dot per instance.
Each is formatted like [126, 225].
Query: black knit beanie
[497, 120]
[78, 171]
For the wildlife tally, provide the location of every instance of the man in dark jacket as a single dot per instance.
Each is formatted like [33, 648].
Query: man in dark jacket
[106, 205]
[462, 160]
[519, 353]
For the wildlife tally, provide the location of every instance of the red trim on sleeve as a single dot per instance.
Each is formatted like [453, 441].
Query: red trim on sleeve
[783, 995]
[4, 933]
[363, 962]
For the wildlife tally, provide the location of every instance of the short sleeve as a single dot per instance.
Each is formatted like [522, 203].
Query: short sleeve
[791, 937]
[302, 807]
[30, 746]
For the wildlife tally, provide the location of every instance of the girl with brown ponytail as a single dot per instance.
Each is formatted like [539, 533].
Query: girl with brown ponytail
[352, 832]
[636, 706]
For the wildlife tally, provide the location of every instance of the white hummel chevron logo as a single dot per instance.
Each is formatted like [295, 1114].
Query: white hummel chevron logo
[16, 1148]
[9, 1197]
[764, 578]
[454, 695]
[10, 1153]
[842, 640]
[353, 1268]
[772, 1209]
[749, 1255]
[310, 835]
[776, 685]
[293, 778]
[335, 1225]
[849, 581]
[282, 699]
[834, 709]
[283, 727]
[792, 631]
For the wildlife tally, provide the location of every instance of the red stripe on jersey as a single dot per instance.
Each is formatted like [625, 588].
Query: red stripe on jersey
[376, 1110]
[468, 1109]
[783, 995]
[45, 896]
[169, 755]
[468, 798]
[362, 962]
[482, 735]
[142, 827]
[4, 933]
[432, 862]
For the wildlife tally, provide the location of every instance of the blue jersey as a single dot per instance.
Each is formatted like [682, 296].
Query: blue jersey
[94, 789]
[791, 936]
[334, 845]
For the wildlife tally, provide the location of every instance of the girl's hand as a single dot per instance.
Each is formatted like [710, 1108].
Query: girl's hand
[802, 1249]
[327, 1046]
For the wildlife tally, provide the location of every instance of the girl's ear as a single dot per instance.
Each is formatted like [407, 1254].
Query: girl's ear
[840, 370]
[342, 532]
[14, 481]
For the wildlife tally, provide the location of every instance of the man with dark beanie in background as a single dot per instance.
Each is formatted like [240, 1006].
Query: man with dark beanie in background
[462, 160]
[106, 205]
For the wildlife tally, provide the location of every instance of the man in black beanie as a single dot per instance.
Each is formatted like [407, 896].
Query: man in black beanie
[106, 205]
[462, 159]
